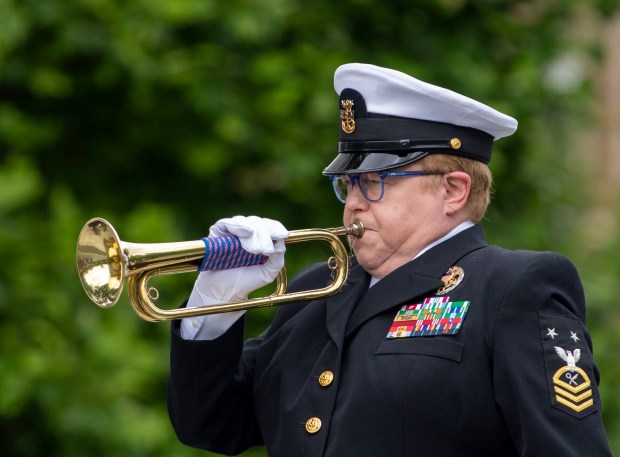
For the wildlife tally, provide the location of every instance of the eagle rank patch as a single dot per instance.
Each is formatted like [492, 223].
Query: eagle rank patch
[569, 365]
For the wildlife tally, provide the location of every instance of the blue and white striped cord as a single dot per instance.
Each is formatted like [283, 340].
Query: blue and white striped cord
[225, 252]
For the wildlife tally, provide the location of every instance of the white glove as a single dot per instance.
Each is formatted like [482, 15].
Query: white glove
[257, 236]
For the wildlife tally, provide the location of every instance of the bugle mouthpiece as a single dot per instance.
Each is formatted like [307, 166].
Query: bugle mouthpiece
[354, 230]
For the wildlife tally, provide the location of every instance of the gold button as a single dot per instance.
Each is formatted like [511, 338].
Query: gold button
[326, 378]
[313, 425]
[455, 143]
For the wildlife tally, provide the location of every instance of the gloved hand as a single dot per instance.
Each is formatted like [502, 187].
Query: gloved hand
[258, 236]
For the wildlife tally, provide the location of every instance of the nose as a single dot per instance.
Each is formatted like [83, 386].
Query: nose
[355, 200]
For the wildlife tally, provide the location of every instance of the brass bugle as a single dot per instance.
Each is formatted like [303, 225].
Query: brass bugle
[104, 261]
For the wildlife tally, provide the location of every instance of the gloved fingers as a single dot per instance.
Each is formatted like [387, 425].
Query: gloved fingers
[276, 230]
[279, 246]
[236, 225]
[233, 285]
[267, 238]
[252, 233]
[221, 286]
[256, 234]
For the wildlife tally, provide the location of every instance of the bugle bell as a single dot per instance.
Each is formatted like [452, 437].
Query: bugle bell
[104, 261]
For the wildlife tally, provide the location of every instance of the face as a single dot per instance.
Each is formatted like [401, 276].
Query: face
[410, 216]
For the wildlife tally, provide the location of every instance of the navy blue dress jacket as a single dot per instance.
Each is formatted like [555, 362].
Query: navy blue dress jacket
[492, 360]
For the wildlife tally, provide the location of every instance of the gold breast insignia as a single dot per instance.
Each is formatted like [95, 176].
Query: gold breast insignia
[451, 279]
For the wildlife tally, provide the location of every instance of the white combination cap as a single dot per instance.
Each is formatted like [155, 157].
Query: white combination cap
[389, 119]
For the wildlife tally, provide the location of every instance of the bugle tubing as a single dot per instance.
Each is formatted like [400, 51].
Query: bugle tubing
[104, 261]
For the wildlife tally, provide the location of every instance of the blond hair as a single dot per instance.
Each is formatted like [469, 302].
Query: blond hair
[481, 179]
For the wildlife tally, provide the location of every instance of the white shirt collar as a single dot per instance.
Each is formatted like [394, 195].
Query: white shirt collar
[458, 229]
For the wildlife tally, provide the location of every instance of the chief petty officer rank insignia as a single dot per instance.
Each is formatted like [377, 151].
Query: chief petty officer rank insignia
[569, 365]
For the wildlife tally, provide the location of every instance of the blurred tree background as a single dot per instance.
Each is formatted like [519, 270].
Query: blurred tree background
[163, 116]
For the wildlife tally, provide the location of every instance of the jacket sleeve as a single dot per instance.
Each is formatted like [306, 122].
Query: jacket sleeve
[210, 391]
[210, 388]
[545, 378]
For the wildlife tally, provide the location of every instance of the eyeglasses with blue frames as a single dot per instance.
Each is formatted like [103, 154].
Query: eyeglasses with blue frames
[372, 185]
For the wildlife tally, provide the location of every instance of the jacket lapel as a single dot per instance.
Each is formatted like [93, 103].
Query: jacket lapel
[340, 306]
[421, 276]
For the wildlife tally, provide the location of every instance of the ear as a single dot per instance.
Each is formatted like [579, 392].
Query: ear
[457, 185]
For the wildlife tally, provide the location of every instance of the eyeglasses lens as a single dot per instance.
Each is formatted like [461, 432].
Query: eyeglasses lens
[341, 187]
[371, 186]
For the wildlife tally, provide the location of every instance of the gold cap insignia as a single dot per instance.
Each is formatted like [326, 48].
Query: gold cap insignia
[451, 279]
[347, 120]
[455, 143]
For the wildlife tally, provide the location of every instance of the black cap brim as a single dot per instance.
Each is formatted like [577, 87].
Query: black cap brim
[353, 163]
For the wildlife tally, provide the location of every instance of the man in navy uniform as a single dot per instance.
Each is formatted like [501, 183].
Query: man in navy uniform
[438, 344]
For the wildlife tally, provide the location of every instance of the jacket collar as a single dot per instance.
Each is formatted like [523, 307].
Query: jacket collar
[421, 276]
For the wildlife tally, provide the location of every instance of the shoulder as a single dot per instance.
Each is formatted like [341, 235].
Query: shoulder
[536, 280]
[524, 261]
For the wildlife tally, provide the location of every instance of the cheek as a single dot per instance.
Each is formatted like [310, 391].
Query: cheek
[395, 220]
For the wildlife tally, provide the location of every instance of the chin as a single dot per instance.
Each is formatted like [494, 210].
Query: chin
[367, 262]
